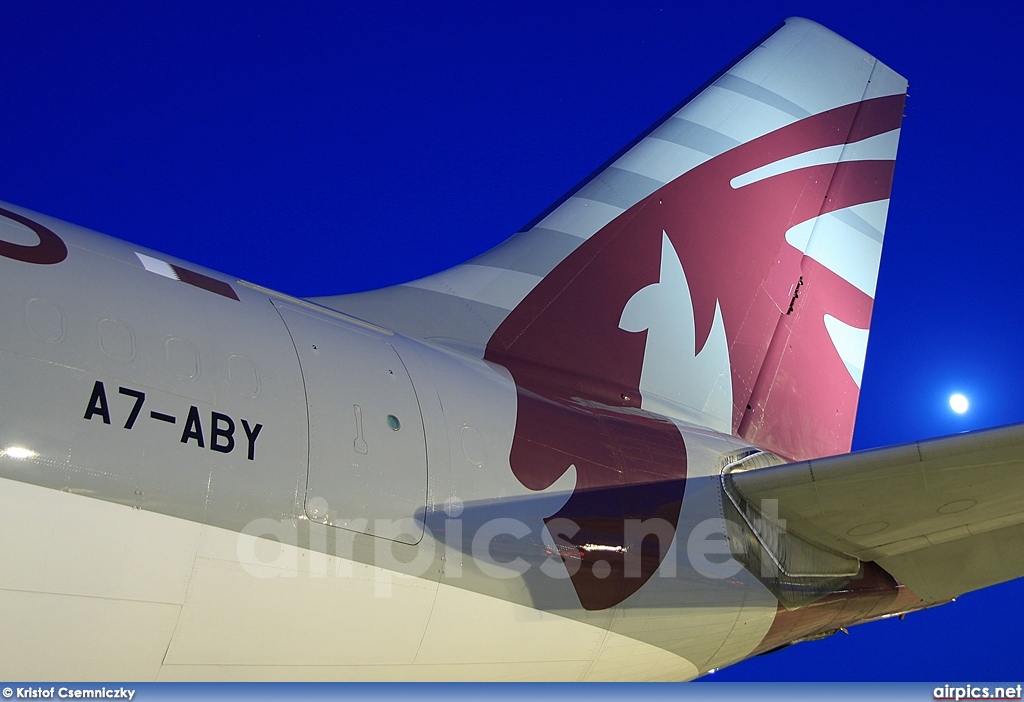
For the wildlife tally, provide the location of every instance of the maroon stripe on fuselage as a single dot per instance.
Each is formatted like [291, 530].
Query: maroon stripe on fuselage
[205, 282]
[50, 249]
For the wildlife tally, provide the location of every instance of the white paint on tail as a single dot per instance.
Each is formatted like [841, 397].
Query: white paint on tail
[848, 242]
[851, 343]
[581, 217]
[881, 147]
[493, 286]
[676, 380]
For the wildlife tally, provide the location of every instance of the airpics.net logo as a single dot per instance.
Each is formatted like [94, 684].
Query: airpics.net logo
[956, 693]
[497, 548]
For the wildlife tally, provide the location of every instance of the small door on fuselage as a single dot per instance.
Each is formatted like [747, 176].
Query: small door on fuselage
[367, 452]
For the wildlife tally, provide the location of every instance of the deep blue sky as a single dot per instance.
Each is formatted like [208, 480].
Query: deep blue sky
[320, 149]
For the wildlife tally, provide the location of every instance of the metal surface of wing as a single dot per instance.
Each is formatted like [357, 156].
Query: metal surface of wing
[944, 516]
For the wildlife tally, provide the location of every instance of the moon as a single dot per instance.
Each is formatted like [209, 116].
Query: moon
[958, 403]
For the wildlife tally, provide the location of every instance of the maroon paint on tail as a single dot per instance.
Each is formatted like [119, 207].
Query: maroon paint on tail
[556, 428]
[578, 374]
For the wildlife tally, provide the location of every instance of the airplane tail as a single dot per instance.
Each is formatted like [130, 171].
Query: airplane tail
[720, 271]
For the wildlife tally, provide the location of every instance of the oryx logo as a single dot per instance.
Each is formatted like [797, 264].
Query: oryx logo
[601, 335]
[50, 249]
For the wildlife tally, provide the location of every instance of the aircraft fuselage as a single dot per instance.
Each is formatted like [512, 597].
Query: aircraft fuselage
[211, 479]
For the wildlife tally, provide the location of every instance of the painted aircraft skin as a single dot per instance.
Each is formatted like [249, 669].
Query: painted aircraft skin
[571, 458]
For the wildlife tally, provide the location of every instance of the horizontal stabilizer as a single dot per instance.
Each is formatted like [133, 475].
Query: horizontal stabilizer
[943, 516]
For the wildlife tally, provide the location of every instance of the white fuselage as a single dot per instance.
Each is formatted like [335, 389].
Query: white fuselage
[194, 545]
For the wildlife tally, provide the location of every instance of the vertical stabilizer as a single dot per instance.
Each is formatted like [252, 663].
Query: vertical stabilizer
[721, 270]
